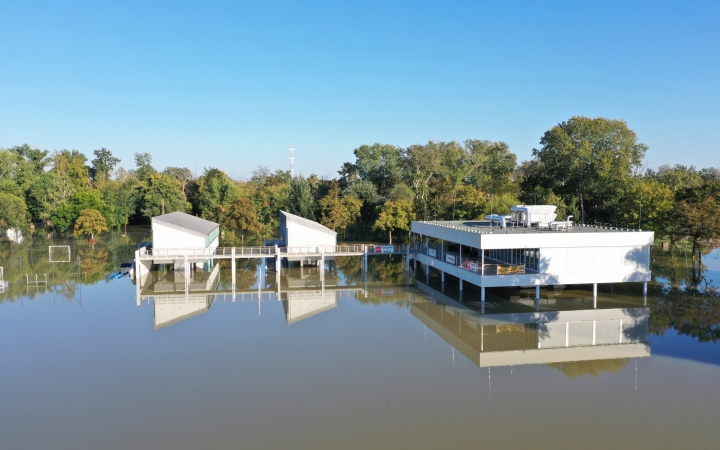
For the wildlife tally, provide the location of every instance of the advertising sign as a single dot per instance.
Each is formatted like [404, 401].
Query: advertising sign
[432, 253]
[384, 248]
[450, 259]
[384, 292]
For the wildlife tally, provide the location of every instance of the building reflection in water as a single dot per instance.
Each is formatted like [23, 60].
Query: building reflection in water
[549, 337]
[304, 292]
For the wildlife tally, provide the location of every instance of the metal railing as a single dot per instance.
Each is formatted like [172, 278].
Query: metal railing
[227, 252]
[472, 265]
[323, 249]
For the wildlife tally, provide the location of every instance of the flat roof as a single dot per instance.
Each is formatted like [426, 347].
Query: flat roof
[185, 222]
[484, 227]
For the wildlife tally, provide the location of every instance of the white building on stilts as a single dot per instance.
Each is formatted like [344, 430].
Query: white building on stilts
[529, 248]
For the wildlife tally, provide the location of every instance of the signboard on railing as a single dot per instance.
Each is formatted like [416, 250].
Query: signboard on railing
[432, 253]
[384, 249]
[450, 259]
[384, 292]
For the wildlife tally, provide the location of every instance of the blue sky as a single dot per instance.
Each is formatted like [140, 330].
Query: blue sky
[233, 84]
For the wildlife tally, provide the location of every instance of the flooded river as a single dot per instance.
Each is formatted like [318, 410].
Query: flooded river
[328, 358]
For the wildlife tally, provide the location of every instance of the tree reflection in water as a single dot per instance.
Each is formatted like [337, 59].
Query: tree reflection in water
[387, 270]
[350, 266]
[245, 273]
[92, 264]
[576, 369]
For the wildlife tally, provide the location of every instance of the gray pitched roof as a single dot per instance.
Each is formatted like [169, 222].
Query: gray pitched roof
[186, 222]
[307, 223]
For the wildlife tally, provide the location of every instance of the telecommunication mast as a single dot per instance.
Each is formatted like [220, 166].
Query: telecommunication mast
[292, 161]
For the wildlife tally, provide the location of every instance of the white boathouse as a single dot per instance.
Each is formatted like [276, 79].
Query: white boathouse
[178, 230]
[296, 231]
[507, 252]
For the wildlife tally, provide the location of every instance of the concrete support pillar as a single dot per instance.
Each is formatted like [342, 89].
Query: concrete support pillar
[427, 270]
[277, 284]
[461, 284]
[482, 294]
[594, 289]
[482, 262]
[460, 255]
[322, 268]
[537, 304]
[442, 276]
[537, 292]
[186, 266]
[277, 258]
[414, 263]
[137, 265]
[232, 265]
[644, 287]
[594, 302]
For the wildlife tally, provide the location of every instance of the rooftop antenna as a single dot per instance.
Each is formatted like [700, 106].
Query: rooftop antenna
[292, 161]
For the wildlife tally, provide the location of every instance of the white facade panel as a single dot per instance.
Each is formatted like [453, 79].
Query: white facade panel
[635, 258]
[580, 334]
[299, 236]
[168, 238]
[581, 259]
[553, 260]
[608, 259]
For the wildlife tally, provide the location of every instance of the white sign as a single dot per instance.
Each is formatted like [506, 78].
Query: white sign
[450, 259]
[432, 253]
[384, 292]
[384, 249]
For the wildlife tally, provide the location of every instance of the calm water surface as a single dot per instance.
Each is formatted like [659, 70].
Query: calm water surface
[333, 359]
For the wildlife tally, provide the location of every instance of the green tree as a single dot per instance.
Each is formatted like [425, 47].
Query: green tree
[182, 174]
[471, 202]
[71, 165]
[648, 205]
[242, 216]
[103, 164]
[698, 221]
[420, 164]
[45, 195]
[160, 192]
[217, 192]
[13, 213]
[495, 166]
[395, 215]
[68, 212]
[122, 194]
[380, 164]
[143, 166]
[593, 160]
[300, 198]
[339, 212]
[90, 221]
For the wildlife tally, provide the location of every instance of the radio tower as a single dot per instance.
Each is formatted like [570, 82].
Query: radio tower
[292, 161]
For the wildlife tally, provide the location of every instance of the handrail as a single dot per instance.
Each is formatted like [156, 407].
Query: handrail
[267, 251]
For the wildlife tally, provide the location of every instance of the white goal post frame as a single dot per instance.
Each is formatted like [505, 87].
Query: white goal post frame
[50, 253]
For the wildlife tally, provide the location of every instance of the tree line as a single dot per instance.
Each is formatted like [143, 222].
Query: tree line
[591, 168]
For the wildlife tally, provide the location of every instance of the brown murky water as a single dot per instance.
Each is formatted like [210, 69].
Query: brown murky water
[332, 359]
